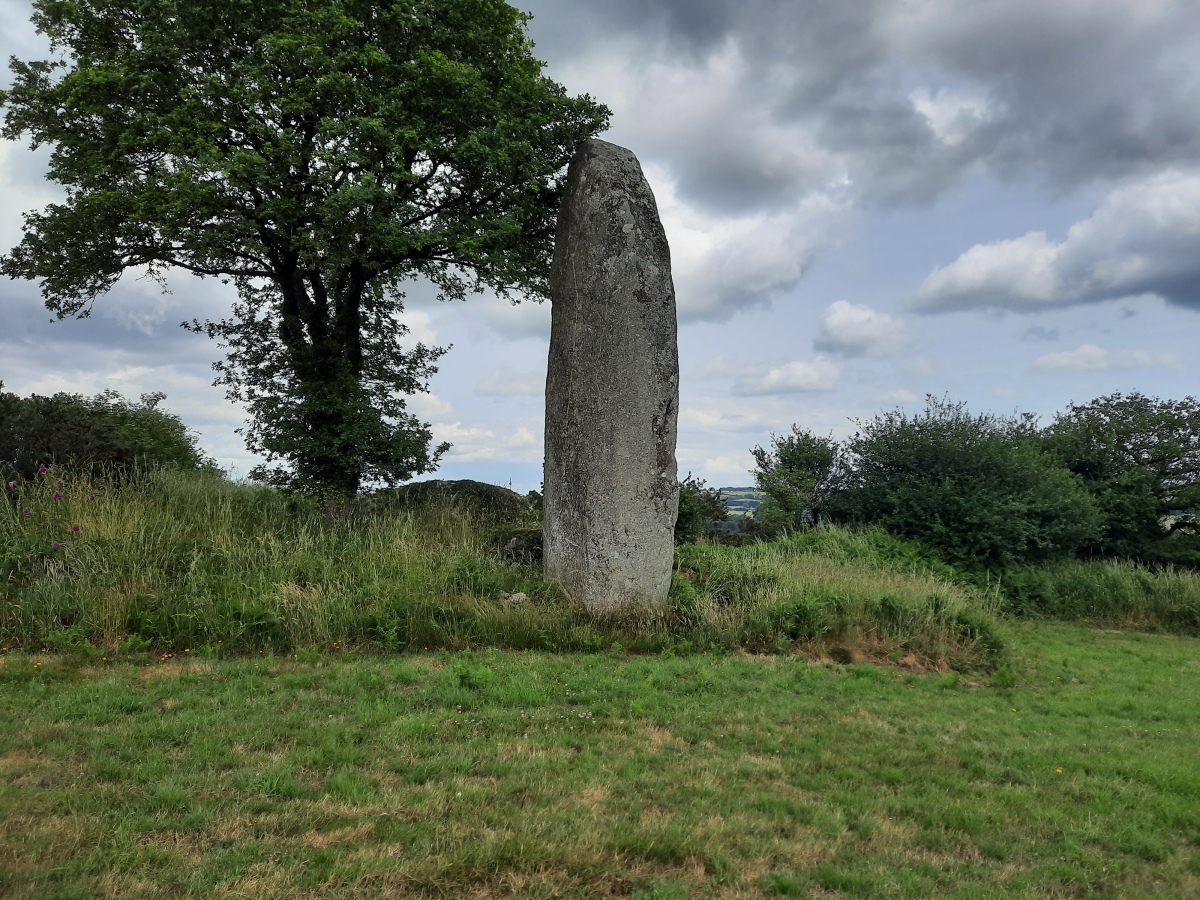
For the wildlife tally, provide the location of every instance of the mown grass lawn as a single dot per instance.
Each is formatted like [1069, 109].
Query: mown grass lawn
[1074, 772]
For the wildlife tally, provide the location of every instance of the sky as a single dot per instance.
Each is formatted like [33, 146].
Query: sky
[866, 203]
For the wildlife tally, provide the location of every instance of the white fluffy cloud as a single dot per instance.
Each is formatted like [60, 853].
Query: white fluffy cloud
[1092, 358]
[723, 263]
[514, 443]
[1142, 239]
[851, 329]
[795, 377]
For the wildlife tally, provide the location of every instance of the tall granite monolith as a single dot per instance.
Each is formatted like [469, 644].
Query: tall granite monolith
[611, 491]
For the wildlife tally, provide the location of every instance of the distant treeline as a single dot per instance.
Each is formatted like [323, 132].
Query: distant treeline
[1115, 478]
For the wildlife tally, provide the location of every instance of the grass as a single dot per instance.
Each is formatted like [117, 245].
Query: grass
[1069, 772]
[184, 561]
[1114, 592]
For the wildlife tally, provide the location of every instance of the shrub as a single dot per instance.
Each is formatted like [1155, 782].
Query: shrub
[106, 433]
[1116, 592]
[979, 490]
[700, 508]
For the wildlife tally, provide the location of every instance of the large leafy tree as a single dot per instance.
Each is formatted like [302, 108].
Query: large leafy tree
[1140, 458]
[318, 153]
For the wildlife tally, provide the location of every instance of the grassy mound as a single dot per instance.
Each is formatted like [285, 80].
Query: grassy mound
[179, 561]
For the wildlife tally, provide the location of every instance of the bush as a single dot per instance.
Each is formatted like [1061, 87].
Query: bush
[979, 490]
[700, 508]
[104, 434]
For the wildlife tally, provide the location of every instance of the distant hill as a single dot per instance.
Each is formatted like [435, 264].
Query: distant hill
[742, 501]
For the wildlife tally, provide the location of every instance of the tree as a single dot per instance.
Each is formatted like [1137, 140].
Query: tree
[105, 434]
[318, 153]
[700, 509]
[798, 474]
[1140, 458]
[977, 489]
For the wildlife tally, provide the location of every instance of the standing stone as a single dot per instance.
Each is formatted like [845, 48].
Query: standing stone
[611, 491]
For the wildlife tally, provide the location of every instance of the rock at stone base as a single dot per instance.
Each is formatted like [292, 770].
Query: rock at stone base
[612, 388]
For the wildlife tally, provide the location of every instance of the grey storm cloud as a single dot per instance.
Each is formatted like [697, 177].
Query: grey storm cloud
[914, 95]
[767, 127]
[775, 108]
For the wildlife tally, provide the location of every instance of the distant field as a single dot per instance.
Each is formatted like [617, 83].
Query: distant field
[742, 501]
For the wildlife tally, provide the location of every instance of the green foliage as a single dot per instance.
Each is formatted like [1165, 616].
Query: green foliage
[976, 489]
[105, 433]
[798, 474]
[1139, 456]
[318, 155]
[1113, 592]
[700, 509]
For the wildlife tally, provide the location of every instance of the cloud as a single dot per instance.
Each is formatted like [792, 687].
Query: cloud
[917, 368]
[514, 321]
[508, 382]
[1142, 239]
[952, 114]
[797, 377]
[1038, 333]
[723, 263]
[1091, 358]
[906, 98]
[850, 329]
[519, 443]
[898, 396]
[723, 415]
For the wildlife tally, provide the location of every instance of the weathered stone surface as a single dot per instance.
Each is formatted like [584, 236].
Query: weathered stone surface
[612, 388]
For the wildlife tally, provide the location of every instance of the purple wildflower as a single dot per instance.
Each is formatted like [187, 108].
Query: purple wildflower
[58, 484]
[74, 527]
[55, 544]
[41, 469]
[57, 495]
[24, 512]
[12, 484]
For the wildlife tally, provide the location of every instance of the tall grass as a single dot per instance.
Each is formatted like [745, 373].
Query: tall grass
[1114, 592]
[833, 585]
[180, 561]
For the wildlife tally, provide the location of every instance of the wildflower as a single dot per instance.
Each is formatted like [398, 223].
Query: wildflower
[1059, 771]
[74, 527]
[12, 484]
[55, 544]
[24, 512]
[41, 469]
[57, 495]
[58, 484]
